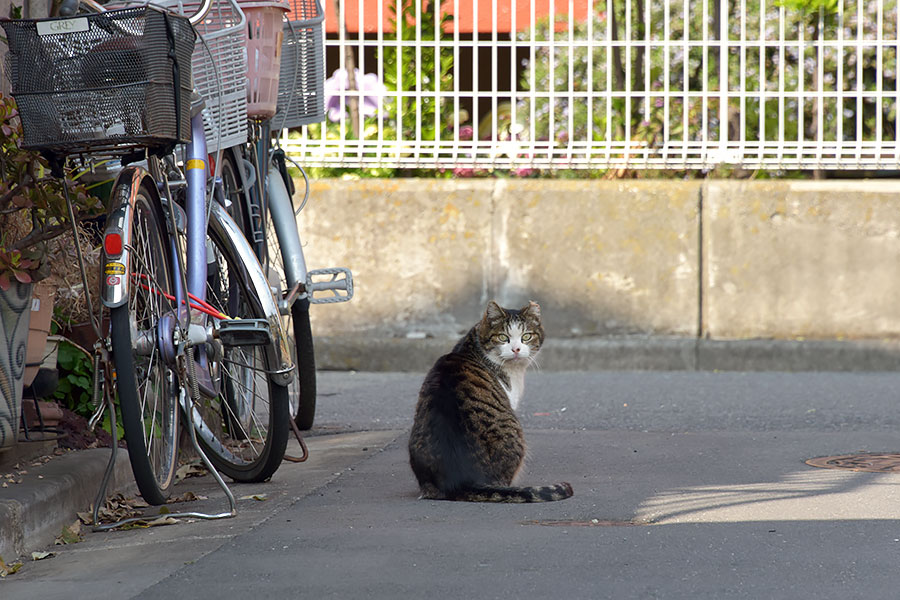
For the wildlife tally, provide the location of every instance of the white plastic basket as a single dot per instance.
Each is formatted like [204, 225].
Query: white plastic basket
[220, 70]
[301, 88]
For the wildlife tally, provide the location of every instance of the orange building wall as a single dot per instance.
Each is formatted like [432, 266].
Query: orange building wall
[464, 18]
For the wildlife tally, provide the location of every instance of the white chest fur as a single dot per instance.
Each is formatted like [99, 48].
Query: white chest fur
[516, 387]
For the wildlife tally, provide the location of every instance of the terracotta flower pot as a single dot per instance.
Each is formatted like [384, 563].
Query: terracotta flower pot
[50, 412]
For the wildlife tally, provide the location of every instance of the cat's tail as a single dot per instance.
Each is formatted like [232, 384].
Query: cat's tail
[519, 495]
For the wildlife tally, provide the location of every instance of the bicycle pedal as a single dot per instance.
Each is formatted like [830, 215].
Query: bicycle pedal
[243, 332]
[332, 285]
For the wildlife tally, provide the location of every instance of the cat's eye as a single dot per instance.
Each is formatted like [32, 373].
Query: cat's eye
[502, 338]
[527, 337]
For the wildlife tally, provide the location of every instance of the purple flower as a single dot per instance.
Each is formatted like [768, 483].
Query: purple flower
[337, 88]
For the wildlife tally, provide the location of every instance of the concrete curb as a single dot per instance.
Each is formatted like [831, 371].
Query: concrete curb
[626, 353]
[33, 513]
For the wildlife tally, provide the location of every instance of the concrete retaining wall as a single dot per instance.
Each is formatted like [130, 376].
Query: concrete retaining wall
[715, 259]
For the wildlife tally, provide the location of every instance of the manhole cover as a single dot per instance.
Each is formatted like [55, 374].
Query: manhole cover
[873, 462]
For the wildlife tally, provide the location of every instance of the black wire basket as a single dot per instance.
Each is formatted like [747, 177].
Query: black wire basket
[106, 82]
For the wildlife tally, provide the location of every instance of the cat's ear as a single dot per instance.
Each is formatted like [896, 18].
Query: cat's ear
[532, 309]
[493, 313]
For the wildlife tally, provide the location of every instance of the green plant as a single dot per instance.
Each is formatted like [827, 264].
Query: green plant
[33, 209]
[76, 375]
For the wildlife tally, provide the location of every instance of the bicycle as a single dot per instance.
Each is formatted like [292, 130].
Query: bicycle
[260, 191]
[184, 340]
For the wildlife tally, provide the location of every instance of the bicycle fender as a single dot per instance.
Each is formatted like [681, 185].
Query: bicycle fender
[282, 210]
[114, 280]
[253, 277]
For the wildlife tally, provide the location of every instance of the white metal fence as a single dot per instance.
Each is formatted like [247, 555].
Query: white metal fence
[479, 84]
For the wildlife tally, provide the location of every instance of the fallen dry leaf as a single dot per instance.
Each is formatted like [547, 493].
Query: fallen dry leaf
[191, 469]
[42, 555]
[8, 569]
[71, 534]
[162, 520]
[257, 497]
[187, 497]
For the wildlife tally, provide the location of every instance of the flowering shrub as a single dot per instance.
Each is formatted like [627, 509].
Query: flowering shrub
[336, 100]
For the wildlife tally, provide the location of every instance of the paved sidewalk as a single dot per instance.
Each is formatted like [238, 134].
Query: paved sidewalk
[688, 485]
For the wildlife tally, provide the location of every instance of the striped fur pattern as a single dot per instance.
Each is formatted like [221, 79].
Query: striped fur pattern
[466, 441]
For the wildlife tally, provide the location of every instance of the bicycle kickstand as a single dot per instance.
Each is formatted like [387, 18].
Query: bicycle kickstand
[100, 388]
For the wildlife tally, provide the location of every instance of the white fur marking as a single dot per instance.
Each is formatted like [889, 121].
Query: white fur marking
[515, 355]
[516, 386]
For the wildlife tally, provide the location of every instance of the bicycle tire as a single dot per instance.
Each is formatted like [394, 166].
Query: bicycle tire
[302, 391]
[147, 387]
[305, 360]
[297, 325]
[243, 429]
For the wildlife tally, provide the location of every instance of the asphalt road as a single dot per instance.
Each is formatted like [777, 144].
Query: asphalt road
[687, 485]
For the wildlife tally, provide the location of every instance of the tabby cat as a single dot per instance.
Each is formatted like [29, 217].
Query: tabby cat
[466, 441]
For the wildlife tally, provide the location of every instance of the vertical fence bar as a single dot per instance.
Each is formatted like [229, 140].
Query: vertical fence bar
[705, 85]
[418, 96]
[436, 78]
[782, 59]
[723, 74]
[456, 107]
[646, 66]
[820, 88]
[667, 36]
[839, 83]
[513, 81]
[610, 7]
[476, 91]
[398, 72]
[763, 81]
[801, 87]
[532, 79]
[859, 78]
[589, 124]
[361, 63]
[379, 67]
[626, 50]
[686, 82]
[742, 74]
[879, 73]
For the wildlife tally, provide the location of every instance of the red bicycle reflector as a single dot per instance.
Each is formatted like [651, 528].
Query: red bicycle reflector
[112, 244]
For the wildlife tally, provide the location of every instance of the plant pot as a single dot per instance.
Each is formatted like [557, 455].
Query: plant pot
[38, 330]
[50, 414]
[82, 334]
[15, 305]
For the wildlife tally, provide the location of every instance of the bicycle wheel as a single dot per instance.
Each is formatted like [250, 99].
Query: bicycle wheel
[147, 387]
[297, 327]
[302, 390]
[244, 426]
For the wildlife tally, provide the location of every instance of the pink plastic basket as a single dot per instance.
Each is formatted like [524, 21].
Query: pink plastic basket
[264, 35]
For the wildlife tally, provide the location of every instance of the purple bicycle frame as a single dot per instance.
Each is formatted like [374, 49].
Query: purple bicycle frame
[195, 206]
